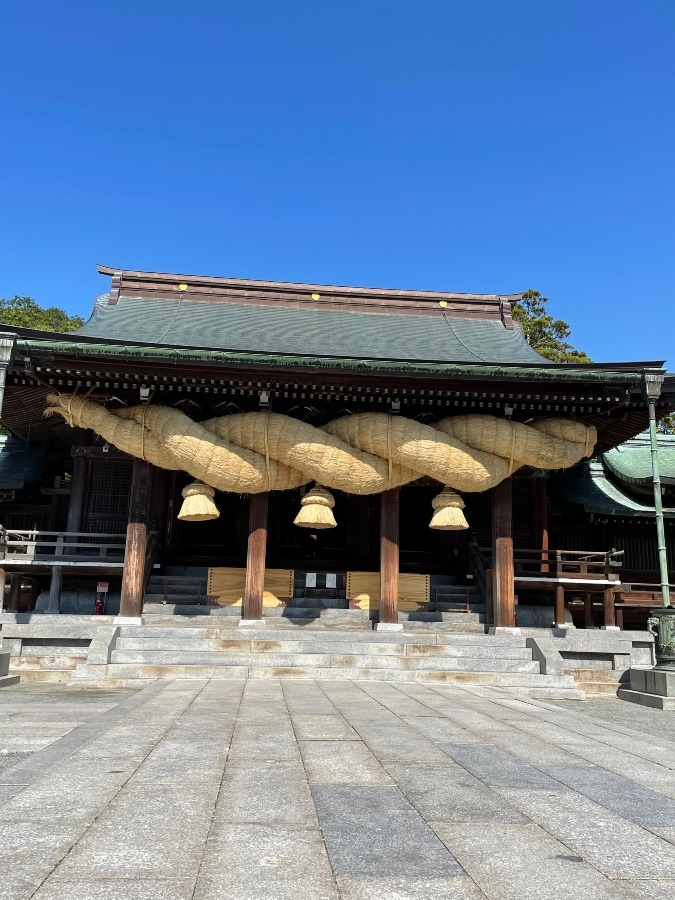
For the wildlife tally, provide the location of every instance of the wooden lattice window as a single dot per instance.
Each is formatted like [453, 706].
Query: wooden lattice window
[108, 497]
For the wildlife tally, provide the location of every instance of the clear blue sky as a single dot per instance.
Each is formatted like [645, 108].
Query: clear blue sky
[482, 145]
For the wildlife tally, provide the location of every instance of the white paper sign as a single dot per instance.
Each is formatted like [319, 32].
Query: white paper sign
[310, 579]
[102, 587]
[331, 580]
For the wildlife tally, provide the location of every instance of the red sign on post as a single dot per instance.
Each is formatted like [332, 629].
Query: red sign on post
[102, 587]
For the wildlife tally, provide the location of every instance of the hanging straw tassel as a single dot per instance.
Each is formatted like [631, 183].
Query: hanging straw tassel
[448, 515]
[316, 509]
[198, 505]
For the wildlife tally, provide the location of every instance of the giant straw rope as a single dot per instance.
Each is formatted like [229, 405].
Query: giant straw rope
[364, 453]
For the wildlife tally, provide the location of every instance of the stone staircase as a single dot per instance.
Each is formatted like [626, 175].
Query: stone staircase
[222, 650]
[599, 683]
[181, 591]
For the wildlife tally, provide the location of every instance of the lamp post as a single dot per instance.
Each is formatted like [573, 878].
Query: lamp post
[661, 622]
[653, 383]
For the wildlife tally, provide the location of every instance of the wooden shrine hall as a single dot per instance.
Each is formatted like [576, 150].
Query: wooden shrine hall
[384, 449]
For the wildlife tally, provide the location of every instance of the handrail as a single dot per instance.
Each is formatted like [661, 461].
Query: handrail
[478, 569]
[37, 546]
[150, 554]
[644, 585]
[579, 554]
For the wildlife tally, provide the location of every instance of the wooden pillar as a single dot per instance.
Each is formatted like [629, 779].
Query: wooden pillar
[541, 521]
[389, 514]
[588, 610]
[131, 603]
[53, 606]
[559, 605]
[255, 557]
[14, 592]
[608, 603]
[502, 552]
[78, 491]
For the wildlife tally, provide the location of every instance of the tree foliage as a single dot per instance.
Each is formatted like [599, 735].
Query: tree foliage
[542, 332]
[24, 312]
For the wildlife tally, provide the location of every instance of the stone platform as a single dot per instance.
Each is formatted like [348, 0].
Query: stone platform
[651, 687]
[542, 663]
[325, 790]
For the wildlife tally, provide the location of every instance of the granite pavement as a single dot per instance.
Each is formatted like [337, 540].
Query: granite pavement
[331, 790]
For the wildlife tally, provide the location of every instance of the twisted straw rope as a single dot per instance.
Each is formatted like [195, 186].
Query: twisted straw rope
[365, 453]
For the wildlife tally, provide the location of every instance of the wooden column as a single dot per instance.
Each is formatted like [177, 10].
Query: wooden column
[389, 513]
[502, 552]
[541, 521]
[54, 605]
[255, 557]
[559, 605]
[131, 603]
[609, 611]
[77, 494]
[14, 592]
[3, 582]
[588, 610]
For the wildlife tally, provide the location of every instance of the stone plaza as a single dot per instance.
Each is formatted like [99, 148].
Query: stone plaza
[267, 789]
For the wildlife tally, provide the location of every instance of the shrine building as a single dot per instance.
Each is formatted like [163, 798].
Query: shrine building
[219, 446]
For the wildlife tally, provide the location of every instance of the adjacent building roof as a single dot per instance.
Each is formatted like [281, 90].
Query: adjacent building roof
[603, 486]
[631, 462]
[589, 486]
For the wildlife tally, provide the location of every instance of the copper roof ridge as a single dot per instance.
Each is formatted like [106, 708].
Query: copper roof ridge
[303, 287]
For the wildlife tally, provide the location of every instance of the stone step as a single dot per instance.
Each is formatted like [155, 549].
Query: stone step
[7, 680]
[364, 648]
[231, 631]
[44, 662]
[324, 660]
[316, 603]
[168, 613]
[47, 676]
[197, 585]
[174, 599]
[131, 672]
[450, 606]
[435, 617]
[598, 682]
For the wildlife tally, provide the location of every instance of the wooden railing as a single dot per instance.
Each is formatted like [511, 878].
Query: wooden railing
[39, 547]
[585, 565]
[150, 557]
[478, 567]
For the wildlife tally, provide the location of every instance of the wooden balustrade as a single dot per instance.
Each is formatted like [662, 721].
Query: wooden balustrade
[36, 547]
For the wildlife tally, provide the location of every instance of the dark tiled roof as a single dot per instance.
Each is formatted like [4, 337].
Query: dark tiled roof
[313, 332]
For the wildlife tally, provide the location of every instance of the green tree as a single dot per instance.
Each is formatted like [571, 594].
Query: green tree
[24, 312]
[543, 333]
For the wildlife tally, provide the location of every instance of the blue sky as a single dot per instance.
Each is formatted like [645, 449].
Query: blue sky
[482, 145]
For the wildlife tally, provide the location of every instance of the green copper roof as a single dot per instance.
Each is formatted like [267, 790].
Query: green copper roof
[35, 345]
[631, 462]
[587, 484]
[284, 330]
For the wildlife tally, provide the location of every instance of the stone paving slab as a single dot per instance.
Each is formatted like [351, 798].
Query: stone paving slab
[331, 790]
[524, 862]
[374, 831]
